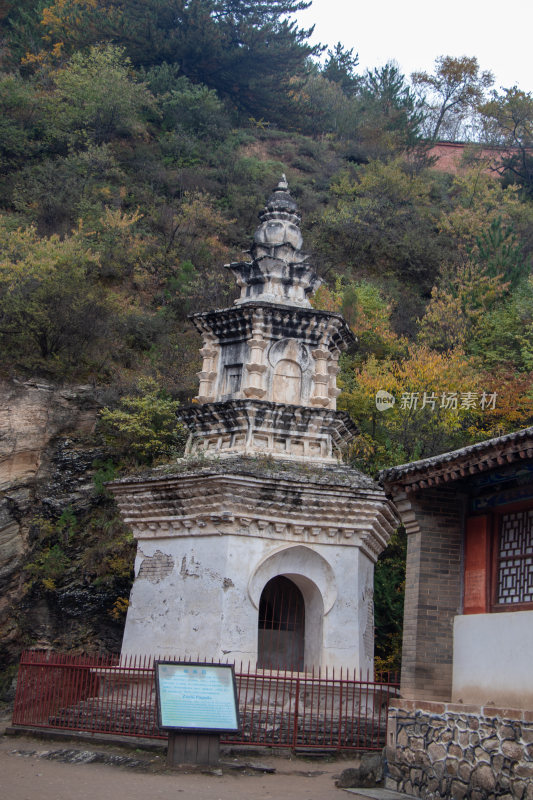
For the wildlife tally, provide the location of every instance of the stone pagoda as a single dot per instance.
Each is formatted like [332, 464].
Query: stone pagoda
[259, 545]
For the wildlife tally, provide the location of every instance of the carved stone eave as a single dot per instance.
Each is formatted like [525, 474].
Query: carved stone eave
[245, 427]
[277, 273]
[244, 504]
[459, 465]
[308, 325]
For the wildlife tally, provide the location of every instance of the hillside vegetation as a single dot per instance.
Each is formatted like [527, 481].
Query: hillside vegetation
[139, 140]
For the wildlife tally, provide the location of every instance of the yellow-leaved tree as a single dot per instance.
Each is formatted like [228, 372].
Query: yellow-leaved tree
[433, 405]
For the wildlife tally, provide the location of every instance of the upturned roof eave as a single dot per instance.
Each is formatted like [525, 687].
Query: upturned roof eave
[459, 464]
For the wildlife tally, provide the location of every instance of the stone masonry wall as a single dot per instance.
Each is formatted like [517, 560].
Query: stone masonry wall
[445, 750]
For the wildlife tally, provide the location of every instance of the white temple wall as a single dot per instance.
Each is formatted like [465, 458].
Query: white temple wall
[492, 658]
[199, 596]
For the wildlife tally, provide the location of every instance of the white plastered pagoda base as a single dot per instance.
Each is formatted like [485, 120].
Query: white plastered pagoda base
[209, 542]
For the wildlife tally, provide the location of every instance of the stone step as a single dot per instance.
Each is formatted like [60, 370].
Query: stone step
[380, 794]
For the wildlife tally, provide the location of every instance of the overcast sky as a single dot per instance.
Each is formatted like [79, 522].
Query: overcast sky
[415, 32]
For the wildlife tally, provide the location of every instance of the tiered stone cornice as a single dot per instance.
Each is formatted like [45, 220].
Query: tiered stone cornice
[247, 427]
[310, 326]
[281, 508]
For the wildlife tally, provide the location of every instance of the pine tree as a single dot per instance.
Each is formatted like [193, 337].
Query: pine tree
[247, 51]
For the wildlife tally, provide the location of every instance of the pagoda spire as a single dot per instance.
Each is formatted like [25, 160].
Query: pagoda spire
[268, 378]
[279, 271]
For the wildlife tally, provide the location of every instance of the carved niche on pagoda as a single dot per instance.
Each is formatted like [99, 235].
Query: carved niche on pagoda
[269, 352]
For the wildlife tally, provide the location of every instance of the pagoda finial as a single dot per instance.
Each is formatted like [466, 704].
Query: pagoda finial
[279, 271]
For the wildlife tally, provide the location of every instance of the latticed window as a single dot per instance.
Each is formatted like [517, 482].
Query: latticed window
[514, 578]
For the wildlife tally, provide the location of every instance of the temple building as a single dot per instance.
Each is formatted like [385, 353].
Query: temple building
[259, 544]
[464, 724]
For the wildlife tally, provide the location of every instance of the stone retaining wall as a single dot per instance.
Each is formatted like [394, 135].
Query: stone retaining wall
[445, 750]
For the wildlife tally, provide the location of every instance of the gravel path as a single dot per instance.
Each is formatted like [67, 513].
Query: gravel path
[33, 769]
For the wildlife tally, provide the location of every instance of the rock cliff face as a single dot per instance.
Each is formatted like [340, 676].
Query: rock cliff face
[47, 455]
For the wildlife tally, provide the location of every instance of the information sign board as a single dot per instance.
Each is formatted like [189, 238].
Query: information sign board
[195, 696]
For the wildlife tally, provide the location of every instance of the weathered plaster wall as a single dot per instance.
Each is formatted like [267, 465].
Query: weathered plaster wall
[493, 658]
[200, 596]
[441, 750]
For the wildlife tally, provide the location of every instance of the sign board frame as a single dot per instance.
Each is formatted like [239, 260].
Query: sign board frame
[184, 705]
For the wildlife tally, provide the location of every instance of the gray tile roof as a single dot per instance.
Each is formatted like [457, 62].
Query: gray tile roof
[460, 463]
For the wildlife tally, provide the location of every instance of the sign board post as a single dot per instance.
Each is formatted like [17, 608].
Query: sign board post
[196, 702]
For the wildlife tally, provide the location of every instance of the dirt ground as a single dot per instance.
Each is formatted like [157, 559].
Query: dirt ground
[33, 768]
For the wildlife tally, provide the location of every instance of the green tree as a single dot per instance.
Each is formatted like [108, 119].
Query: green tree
[472, 203]
[505, 335]
[322, 107]
[246, 51]
[186, 106]
[49, 567]
[368, 313]
[56, 192]
[53, 313]
[389, 115]
[145, 428]
[451, 94]
[339, 68]
[20, 28]
[462, 297]
[418, 425]
[499, 250]
[21, 123]
[389, 590]
[97, 99]
[383, 222]
[509, 123]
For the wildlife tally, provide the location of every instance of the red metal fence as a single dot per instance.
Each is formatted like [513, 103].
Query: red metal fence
[317, 709]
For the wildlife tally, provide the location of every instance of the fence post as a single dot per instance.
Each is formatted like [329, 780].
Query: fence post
[295, 725]
[340, 714]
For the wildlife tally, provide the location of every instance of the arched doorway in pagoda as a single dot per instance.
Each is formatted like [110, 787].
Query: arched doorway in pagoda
[281, 635]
